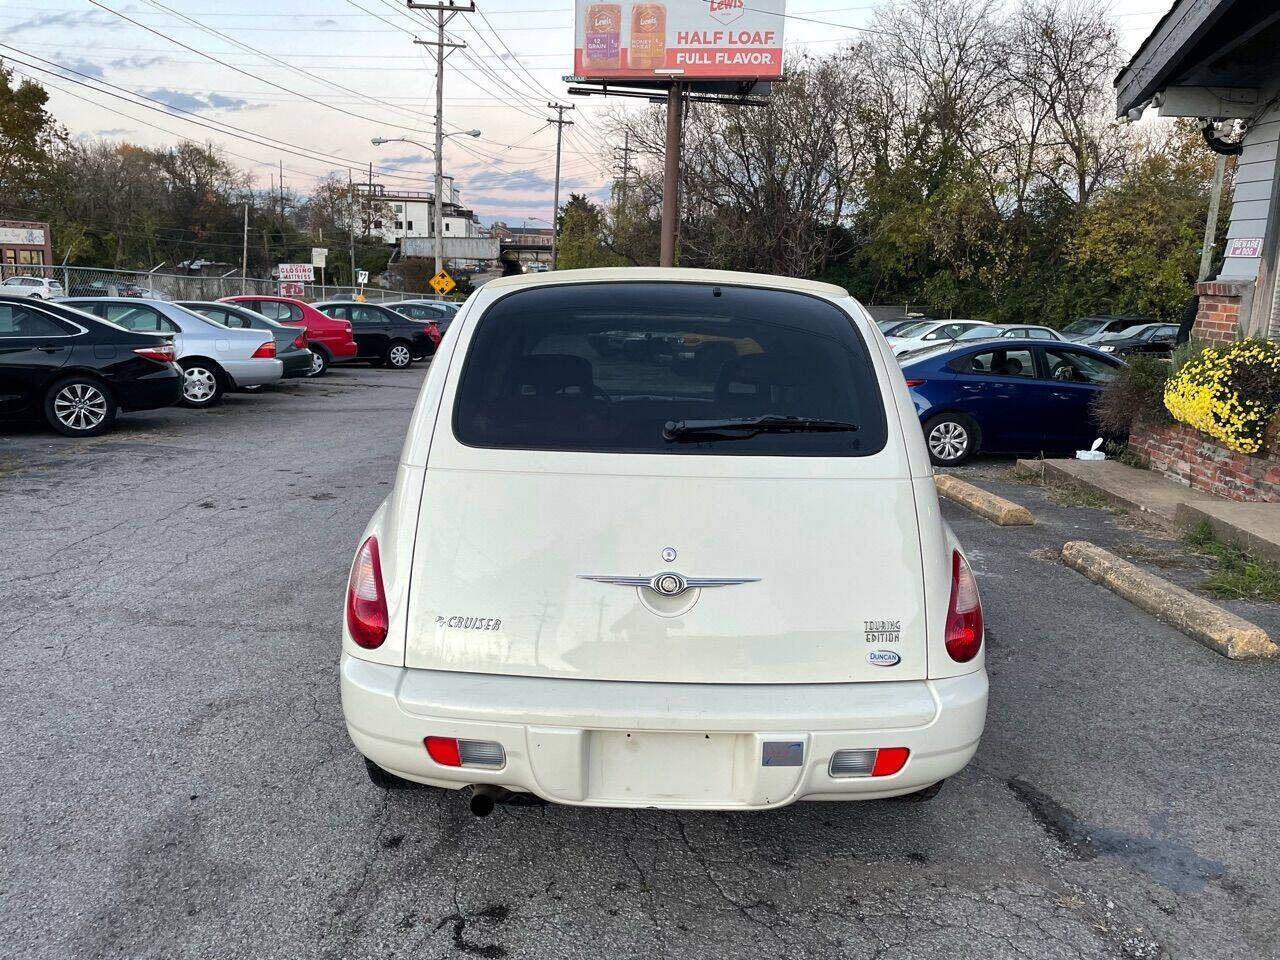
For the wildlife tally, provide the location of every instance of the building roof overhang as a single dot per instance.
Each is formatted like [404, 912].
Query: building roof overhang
[1222, 45]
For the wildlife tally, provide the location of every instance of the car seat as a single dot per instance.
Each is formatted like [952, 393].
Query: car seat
[553, 375]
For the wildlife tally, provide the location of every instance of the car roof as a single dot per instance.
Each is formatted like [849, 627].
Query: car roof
[666, 274]
[960, 346]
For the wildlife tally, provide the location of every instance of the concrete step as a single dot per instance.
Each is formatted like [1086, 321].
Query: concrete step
[1136, 491]
[1254, 527]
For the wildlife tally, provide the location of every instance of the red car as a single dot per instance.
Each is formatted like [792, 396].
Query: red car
[329, 340]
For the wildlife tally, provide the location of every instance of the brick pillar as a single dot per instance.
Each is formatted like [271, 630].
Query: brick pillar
[1221, 306]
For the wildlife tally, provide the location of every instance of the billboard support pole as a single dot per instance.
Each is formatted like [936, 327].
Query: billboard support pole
[671, 176]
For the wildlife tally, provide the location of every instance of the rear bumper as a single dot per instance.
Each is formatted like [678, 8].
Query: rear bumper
[567, 740]
[297, 363]
[340, 351]
[160, 389]
[252, 373]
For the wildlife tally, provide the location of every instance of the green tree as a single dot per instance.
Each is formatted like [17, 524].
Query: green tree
[1140, 239]
[583, 236]
[29, 138]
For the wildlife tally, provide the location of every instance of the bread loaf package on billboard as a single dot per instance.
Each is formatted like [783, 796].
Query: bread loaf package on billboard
[706, 39]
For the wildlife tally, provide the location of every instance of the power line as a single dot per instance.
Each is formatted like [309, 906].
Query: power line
[267, 56]
[188, 116]
[238, 70]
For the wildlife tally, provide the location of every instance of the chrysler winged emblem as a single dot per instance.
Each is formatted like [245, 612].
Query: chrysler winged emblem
[670, 584]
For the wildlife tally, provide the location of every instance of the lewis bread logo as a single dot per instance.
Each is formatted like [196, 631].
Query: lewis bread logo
[727, 11]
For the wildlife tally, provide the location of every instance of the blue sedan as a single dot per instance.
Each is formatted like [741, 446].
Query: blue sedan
[997, 395]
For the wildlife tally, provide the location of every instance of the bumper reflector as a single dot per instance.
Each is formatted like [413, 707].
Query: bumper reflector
[451, 752]
[883, 762]
[481, 753]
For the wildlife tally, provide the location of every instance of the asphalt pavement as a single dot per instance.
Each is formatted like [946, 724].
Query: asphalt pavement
[177, 781]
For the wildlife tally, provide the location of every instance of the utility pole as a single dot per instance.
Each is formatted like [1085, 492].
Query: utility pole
[281, 196]
[626, 167]
[244, 256]
[560, 123]
[351, 222]
[444, 13]
[671, 175]
[1211, 224]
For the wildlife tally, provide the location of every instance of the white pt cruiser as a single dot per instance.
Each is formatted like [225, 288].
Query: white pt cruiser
[663, 538]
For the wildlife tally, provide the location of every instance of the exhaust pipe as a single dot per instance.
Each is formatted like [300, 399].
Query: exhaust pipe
[483, 797]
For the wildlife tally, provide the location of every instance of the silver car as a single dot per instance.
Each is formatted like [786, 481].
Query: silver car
[1016, 331]
[213, 358]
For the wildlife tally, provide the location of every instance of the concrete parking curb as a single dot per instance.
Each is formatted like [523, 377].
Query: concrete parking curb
[998, 510]
[1202, 621]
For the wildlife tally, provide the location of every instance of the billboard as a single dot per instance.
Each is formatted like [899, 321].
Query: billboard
[704, 39]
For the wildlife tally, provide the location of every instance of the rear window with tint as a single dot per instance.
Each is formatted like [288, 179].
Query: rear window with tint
[603, 367]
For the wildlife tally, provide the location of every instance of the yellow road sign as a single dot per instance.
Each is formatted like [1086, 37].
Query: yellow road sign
[442, 283]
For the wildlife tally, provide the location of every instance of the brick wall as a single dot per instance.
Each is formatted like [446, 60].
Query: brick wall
[1197, 460]
[1220, 307]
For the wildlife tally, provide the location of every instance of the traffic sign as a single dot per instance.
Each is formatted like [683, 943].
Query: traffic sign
[442, 283]
[362, 277]
[319, 255]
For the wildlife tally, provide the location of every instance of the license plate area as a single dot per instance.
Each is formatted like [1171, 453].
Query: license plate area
[639, 767]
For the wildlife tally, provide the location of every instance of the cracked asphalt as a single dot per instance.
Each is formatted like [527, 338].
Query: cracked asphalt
[177, 781]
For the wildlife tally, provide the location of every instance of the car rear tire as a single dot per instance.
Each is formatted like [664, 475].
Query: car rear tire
[386, 781]
[202, 384]
[319, 363]
[80, 406]
[399, 355]
[952, 438]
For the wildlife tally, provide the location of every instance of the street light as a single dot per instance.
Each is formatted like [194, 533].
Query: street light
[439, 204]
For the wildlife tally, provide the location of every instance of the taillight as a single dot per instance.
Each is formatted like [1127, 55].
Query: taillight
[873, 762]
[452, 752]
[964, 613]
[163, 352]
[367, 620]
[914, 383]
[889, 760]
[266, 351]
[300, 341]
[443, 750]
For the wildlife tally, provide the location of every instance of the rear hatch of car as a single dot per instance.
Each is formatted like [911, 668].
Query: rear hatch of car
[613, 515]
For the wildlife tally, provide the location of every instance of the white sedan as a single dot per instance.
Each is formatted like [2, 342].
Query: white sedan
[926, 333]
[724, 587]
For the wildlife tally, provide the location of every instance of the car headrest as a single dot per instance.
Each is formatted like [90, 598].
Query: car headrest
[548, 374]
[757, 370]
[1011, 367]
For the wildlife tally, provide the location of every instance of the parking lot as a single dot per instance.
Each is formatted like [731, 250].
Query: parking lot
[178, 781]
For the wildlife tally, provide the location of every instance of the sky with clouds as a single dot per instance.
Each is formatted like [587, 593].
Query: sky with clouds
[326, 76]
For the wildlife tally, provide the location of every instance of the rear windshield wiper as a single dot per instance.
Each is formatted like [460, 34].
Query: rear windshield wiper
[740, 428]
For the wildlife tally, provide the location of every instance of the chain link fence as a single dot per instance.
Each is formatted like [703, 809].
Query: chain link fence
[92, 282]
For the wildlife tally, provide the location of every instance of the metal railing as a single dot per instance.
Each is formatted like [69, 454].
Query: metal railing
[94, 282]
